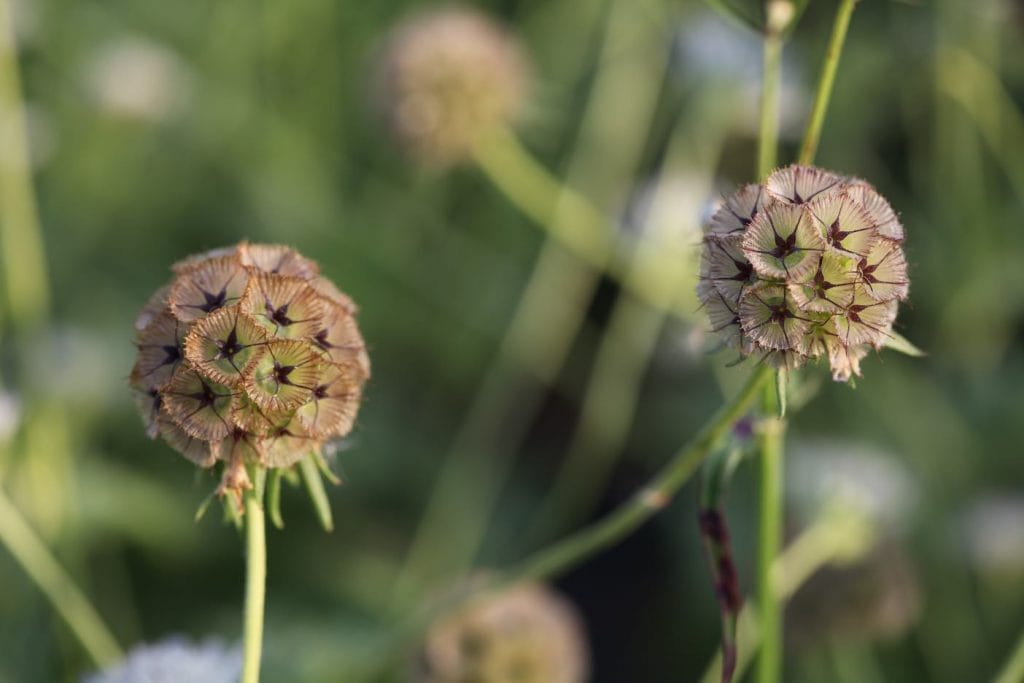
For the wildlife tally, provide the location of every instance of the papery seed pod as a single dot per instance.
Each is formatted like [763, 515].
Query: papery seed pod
[250, 358]
[445, 79]
[809, 264]
[527, 634]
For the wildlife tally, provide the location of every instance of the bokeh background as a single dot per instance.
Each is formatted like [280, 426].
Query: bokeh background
[158, 129]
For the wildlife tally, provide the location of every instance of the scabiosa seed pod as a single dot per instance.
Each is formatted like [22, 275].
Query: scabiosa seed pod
[808, 264]
[248, 358]
[446, 77]
[527, 633]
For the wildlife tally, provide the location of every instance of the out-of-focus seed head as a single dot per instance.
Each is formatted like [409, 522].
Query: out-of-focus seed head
[527, 633]
[249, 358]
[809, 264]
[446, 78]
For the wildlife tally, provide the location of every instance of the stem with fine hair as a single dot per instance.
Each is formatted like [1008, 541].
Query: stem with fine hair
[255, 583]
[55, 583]
[826, 82]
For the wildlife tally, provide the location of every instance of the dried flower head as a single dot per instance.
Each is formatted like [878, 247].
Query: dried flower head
[527, 634]
[248, 357]
[446, 78]
[809, 264]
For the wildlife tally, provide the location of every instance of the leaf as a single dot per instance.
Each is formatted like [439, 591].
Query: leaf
[274, 498]
[898, 342]
[781, 378]
[204, 506]
[317, 494]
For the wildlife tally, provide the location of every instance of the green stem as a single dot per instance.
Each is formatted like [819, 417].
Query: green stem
[605, 533]
[1013, 670]
[826, 82]
[255, 585]
[768, 138]
[770, 515]
[55, 583]
[21, 243]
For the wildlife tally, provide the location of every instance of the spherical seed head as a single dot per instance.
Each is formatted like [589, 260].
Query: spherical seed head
[446, 78]
[527, 633]
[808, 264]
[249, 357]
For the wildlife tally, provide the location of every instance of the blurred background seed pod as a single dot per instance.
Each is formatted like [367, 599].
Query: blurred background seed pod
[527, 633]
[447, 77]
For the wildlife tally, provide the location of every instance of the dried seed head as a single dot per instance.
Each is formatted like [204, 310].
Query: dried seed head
[248, 357]
[445, 79]
[809, 264]
[527, 633]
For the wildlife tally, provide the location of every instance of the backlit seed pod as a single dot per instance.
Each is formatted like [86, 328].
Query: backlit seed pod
[445, 79]
[809, 264]
[527, 634]
[248, 358]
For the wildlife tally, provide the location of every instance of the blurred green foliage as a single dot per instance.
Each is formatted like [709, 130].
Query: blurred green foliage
[159, 129]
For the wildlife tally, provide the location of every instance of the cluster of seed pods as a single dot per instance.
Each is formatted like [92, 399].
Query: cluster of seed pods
[248, 357]
[808, 264]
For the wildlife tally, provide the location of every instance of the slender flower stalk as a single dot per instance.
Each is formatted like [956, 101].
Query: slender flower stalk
[768, 140]
[825, 84]
[57, 585]
[255, 584]
[21, 242]
[770, 516]
[770, 511]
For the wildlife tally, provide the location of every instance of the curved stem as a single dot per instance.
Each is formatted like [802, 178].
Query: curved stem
[55, 583]
[826, 82]
[255, 585]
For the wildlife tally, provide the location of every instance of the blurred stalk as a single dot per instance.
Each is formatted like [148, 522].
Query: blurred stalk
[55, 583]
[551, 310]
[610, 401]
[974, 86]
[255, 580]
[1013, 669]
[837, 536]
[816, 122]
[21, 243]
